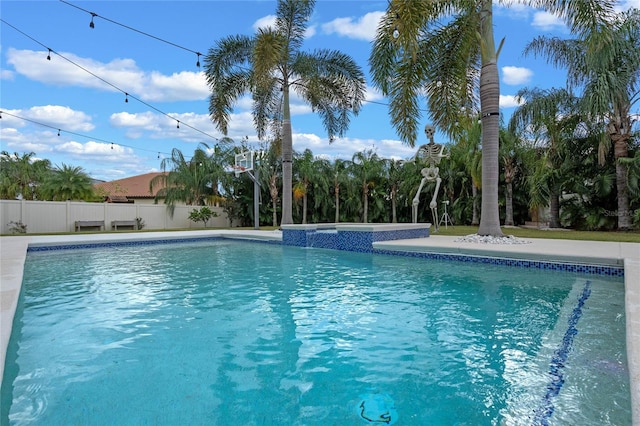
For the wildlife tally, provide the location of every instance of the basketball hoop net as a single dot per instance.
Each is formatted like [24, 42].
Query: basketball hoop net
[238, 169]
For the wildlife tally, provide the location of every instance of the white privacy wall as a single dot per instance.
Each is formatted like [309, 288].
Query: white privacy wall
[60, 216]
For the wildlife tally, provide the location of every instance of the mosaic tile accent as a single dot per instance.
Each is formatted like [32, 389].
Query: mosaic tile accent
[613, 271]
[295, 237]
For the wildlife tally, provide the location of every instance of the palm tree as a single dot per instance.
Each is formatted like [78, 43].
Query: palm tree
[339, 176]
[366, 169]
[395, 177]
[509, 156]
[550, 117]
[68, 183]
[269, 65]
[193, 181]
[605, 62]
[305, 168]
[446, 50]
[22, 175]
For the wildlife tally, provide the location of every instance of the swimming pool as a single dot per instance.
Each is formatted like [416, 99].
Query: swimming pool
[241, 333]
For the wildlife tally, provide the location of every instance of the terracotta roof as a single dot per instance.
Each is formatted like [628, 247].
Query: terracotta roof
[131, 187]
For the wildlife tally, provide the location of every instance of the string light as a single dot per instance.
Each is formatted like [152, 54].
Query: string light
[49, 55]
[93, 14]
[126, 97]
[178, 124]
[92, 138]
[58, 132]
[91, 24]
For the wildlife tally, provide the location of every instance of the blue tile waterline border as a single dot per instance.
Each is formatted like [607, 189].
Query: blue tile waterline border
[111, 244]
[582, 268]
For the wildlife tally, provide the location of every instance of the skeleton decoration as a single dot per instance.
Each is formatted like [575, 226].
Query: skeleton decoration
[431, 153]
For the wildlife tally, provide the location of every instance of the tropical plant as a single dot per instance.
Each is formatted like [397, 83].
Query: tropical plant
[204, 214]
[67, 183]
[22, 176]
[550, 118]
[445, 50]
[366, 169]
[269, 65]
[193, 182]
[604, 62]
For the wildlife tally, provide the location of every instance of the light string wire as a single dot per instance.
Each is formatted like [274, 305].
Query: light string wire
[60, 130]
[127, 95]
[95, 15]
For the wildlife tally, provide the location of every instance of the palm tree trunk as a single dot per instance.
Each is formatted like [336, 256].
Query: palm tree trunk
[508, 218]
[287, 155]
[475, 221]
[554, 209]
[337, 192]
[394, 218]
[490, 109]
[620, 149]
[304, 207]
[365, 203]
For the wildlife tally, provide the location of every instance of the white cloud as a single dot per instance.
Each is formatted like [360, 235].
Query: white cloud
[124, 74]
[516, 75]
[363, 28]
[628, 4]
[171, 126]
[269, 21]
[265, 22]
[547, 21]
[57, 116]
[509, 101]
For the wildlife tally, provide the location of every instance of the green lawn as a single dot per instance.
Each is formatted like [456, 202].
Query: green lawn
[561, 234]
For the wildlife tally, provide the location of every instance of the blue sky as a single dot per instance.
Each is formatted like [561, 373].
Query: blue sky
[112, 139]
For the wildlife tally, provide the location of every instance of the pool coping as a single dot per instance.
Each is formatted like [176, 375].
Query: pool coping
[13, 252]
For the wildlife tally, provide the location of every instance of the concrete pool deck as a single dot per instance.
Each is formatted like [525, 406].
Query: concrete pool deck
[13, 252]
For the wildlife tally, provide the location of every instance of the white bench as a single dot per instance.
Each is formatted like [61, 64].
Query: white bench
[89, 224]
[132, 223]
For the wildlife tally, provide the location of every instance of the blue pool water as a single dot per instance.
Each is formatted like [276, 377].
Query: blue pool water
[235, 333]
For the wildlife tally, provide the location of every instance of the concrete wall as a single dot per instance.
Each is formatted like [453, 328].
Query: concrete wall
[60, 216]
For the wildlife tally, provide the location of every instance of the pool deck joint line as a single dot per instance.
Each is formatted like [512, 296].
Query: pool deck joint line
[608, 255]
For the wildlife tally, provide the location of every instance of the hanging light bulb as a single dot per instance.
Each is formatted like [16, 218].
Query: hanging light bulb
[178, 124]
[49, 55]
[396, 33]
[126, 97]
[111, 145]
[58, 132]
[91, 24]
[198, 63]
[158, 155]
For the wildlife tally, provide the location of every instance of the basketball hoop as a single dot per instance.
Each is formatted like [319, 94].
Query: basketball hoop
[239, 169]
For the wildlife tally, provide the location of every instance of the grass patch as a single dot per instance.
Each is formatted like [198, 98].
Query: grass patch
[559, 234]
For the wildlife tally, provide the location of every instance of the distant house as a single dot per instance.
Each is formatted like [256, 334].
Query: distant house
[134, 189]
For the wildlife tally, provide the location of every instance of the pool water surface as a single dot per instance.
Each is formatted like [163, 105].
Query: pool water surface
[226, 332]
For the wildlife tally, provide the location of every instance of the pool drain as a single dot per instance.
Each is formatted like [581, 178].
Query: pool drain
[377, 408]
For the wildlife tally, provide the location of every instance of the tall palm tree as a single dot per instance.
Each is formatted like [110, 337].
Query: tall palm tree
[367, 169]
[68, 183]
[605, 63]
[446, 50]
[550, 118]
[269, 65]
[339, 176]
[394, 175]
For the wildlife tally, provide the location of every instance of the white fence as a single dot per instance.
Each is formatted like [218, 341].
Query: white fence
[54, 216]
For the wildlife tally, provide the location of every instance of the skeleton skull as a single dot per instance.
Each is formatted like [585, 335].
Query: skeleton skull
[430, 131]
